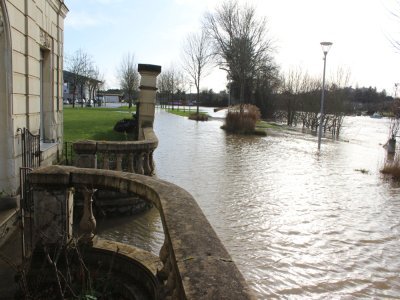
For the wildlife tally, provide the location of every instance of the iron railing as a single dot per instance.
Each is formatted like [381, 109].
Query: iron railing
[31, 159]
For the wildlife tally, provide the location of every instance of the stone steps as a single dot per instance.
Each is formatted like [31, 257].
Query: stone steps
[8, 223]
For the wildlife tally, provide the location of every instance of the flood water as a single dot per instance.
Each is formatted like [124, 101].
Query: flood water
[297, 224]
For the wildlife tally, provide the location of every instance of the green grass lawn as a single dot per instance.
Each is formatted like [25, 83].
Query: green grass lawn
[184, 113]
[94, 123]
[267, 125]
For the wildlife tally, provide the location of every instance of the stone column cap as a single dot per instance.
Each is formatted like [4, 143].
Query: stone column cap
[149, 68]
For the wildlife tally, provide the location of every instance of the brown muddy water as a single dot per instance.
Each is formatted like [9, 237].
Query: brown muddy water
[297, 224]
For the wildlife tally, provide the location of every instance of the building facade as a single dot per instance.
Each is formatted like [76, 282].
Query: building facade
[31, 83]
[78, 88]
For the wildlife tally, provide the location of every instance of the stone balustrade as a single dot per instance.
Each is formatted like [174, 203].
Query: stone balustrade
[195, 263]
[129, 156]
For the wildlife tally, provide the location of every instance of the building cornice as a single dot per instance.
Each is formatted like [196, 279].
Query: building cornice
[59, 6]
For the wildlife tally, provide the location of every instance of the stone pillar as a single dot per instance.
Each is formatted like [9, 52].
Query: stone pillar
[147, 96]
[88, 222]
[85, 154]
[53, 215]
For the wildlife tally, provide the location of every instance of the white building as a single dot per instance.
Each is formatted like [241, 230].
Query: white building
[31, 83]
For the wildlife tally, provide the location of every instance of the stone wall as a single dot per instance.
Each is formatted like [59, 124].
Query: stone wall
[195, 263]
[31, 43]
[131, 156]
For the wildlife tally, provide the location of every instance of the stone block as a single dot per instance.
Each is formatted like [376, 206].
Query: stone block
[51, 176]
[86, 161]
[33, 11]
[53, 215]
[19, 5]
[18, 60]
[34, 104]
[33, 67]
[34, 85]
[19, 83]
[17, 19]
[19, 104]
[18, 41]
[85, 147]
[33, 48]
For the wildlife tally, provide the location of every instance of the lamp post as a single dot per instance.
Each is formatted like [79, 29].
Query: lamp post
[325, 49]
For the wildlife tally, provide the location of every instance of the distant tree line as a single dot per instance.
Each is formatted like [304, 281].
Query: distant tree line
[235, 39]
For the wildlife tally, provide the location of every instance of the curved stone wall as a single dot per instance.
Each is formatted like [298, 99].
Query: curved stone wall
[195, 263]
[131, 156]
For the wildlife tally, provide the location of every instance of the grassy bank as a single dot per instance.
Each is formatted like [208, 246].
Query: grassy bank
[97, 123]
[184, 113]
[267, 125]
[93, 123]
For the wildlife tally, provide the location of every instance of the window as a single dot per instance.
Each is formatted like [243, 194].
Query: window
[45, 93]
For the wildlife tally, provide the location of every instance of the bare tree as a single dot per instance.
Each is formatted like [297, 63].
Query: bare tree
[195, 59]
[80, 65]
[239, 41]
[265, 87]
[292, 84]
[163, 88]
[169, 83]
[95, 81]
[394, 10]
[299, 94]
[336, 104]
[129, 77]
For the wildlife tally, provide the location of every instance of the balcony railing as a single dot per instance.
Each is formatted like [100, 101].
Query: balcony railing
[196, 265]
[129, 156]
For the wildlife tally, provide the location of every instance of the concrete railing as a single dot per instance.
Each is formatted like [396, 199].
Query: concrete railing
[128, 156]
[195, 263]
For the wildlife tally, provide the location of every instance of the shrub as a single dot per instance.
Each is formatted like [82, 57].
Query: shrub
[198, 117]
[125, 125]
[392, 168]
[242, 118]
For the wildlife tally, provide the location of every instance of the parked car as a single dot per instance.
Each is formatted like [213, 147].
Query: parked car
[65, 101]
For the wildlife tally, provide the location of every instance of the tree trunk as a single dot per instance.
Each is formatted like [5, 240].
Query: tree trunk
[198, 102]
[242, 92]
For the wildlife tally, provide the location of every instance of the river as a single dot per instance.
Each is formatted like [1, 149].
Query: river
[298, 224]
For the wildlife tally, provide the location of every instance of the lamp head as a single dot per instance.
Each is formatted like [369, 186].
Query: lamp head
[325, 47]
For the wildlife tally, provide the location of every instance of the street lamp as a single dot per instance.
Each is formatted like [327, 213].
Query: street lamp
[325, 49]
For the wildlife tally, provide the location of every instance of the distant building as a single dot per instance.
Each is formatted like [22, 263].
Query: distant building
[86, 91]
[110, 97]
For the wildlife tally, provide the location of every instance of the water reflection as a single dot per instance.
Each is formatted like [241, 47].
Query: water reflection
[144, 230]
[297, 224]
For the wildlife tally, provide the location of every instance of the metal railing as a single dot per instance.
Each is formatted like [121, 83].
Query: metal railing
[31, 159]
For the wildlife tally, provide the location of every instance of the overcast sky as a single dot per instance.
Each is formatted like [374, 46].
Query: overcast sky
[154, 31]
